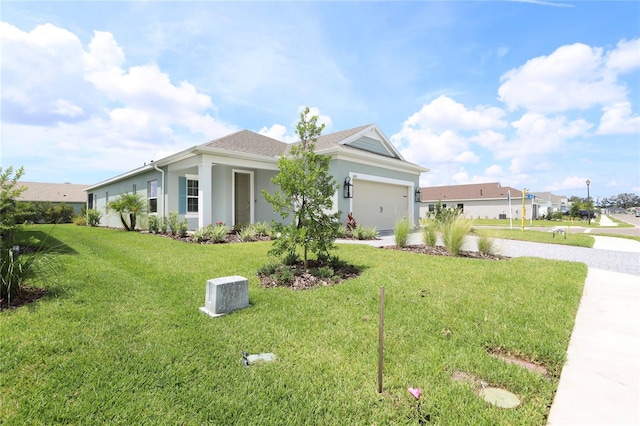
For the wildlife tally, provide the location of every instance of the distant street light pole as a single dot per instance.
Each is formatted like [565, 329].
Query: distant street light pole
[588, 204]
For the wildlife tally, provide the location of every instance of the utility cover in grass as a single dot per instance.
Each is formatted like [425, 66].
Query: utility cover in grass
[500, 397]
[257, 358]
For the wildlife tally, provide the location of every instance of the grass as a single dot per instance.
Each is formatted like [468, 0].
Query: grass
[578, 240]
[536, 223]
[120, 339]
[620, 223]
[401, 232]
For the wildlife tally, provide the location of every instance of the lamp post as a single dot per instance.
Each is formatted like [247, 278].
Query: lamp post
[588, 204]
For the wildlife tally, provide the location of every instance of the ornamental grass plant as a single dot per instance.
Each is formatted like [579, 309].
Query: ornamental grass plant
[401, 232]
[454, 233]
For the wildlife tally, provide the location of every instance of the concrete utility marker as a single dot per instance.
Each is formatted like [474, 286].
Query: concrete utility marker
[225, 294]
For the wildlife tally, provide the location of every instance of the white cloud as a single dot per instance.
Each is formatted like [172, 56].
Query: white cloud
[435, 133]
[444, 113]
[619, 119]
[494, 170]
[42, 77]
[571, 182]
[467, 157]
[625, 57]
[573, 77]
[148, 115]
[281, 133]
[278, 132]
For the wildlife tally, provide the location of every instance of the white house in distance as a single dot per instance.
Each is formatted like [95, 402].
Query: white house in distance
[55, 193]
[222, 180]
[549, 202]
[479, 200]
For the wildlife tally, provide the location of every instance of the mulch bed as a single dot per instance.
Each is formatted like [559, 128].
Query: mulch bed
[27, 295]
[230, 238]
[441, 251]
[305, 280]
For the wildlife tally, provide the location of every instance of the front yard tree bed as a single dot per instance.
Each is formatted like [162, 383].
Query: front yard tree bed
[119, 338]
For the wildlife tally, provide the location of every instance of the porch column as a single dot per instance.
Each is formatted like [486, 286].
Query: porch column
[204, 195]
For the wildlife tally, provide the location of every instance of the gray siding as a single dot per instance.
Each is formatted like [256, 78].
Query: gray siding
[372, 145]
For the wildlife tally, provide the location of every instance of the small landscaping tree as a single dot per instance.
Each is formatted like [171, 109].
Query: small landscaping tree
[14, 269]
[130, 205]
[305, 193]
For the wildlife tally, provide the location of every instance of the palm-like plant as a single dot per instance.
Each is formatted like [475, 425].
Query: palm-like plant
[128, 205]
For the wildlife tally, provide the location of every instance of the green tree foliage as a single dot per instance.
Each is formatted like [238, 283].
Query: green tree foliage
[46, 212]
[305, 192]
[128, 206]
[10, 209]
[13, 268]
[574, 211]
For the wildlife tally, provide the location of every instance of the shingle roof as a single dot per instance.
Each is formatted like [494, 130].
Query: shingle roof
[249, 142]
[53, 192]
[333, 139]
[255, 143]
[475, 191]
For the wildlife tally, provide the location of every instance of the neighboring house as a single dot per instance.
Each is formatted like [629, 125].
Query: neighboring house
[479, 200]
[549, 202]
[55, 193]
[222, 180]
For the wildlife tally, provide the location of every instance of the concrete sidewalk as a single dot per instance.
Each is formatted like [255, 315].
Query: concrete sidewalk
[600, 382]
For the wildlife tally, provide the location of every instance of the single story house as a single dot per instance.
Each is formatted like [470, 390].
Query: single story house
[549, 203]
[222, 180]
[480, 200]
[55, 193]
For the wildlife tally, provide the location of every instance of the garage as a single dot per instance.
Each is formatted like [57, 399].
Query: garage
[379, 204]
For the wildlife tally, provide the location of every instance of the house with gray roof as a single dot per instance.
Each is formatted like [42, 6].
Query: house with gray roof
[480, 201]
[55, 193]
[551, 202]
[222, 180]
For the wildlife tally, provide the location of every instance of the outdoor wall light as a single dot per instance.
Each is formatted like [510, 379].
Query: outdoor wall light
[347, 188]
[418, 195]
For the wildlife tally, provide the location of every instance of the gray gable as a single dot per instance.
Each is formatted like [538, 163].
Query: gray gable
[371, 145]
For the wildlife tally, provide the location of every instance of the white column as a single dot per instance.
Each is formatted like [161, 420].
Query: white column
[204, 195]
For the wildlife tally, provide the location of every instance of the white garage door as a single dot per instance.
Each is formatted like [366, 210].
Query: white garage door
[379, 204]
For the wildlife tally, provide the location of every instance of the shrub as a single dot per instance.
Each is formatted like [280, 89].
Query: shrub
[201, 235]
[401, 232]
[486, 244]
[18, 266]
[218, 233]
[154, 224]
[183, 227]
[291, 259]
[163, 225]
[325, 272]
[80, 220]
[365, 233]
[248, 233]
[454, 233]
[172, 223]
[342, 231]
[263, 229]
[429, 235]
[93, 217]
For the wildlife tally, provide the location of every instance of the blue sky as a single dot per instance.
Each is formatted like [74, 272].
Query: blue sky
[535, 94]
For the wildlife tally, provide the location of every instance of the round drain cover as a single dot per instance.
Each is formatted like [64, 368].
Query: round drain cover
[500, 397]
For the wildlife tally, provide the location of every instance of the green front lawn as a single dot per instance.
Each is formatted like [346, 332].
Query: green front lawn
[538, 223]
[578, 240]
[120, 339]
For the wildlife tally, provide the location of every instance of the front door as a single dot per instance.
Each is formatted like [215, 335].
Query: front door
[242, 198]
